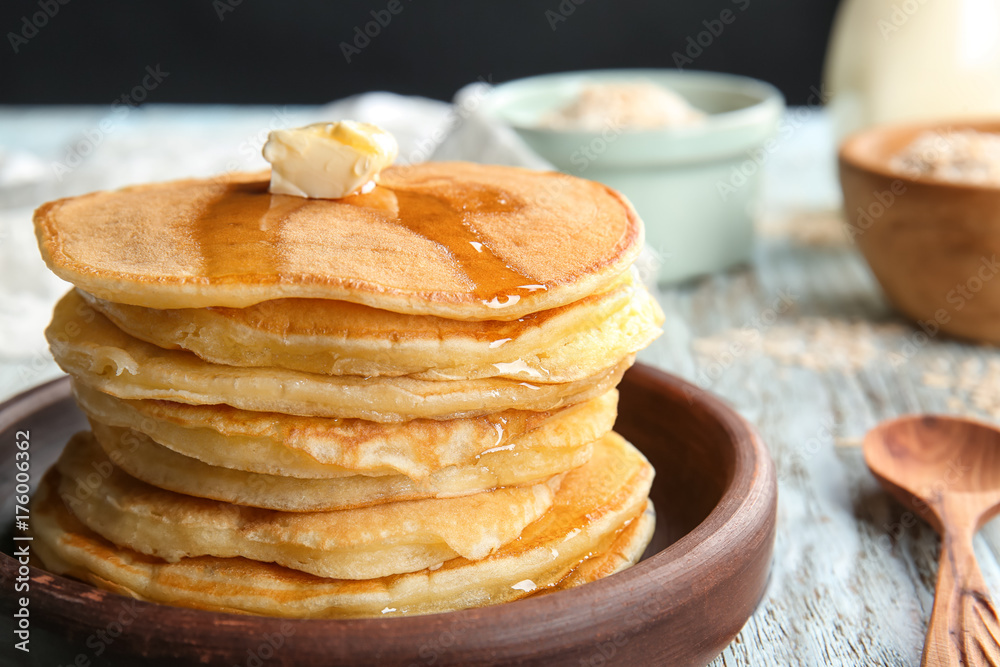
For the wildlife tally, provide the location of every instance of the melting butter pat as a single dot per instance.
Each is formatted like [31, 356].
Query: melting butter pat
[328, 160]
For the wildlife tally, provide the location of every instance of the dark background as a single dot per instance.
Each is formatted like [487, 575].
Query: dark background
[251, 51]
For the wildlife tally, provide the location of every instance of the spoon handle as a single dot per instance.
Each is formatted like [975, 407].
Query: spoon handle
[964, 628]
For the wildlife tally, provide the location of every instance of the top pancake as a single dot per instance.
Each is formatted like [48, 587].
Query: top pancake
[457, 240]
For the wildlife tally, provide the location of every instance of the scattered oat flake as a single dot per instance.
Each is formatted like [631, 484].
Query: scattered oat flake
[822, 228]
[955, 404]
[939, 380]
[815, 343]
[974, 385]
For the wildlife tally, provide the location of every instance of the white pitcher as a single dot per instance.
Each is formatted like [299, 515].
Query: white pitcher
[911, 60]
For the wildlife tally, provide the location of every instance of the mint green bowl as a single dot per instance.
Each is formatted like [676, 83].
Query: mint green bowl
[695, 187]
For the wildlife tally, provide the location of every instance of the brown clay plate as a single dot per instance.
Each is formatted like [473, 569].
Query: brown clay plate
[698, 582]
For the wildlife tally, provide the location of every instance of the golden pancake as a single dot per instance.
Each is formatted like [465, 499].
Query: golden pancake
[623, 554]
[89, 347]
[564, 344]
[457, 240]
[142, 458]
[351, 544]
[315, 447]
[590, 512]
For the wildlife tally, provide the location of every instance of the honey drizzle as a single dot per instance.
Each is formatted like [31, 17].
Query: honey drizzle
[450, 224]
[240, 231]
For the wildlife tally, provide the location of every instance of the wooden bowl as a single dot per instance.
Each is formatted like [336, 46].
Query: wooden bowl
[932, 245]
[700, 580]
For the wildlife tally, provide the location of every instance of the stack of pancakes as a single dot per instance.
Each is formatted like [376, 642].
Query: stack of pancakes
[396, 402]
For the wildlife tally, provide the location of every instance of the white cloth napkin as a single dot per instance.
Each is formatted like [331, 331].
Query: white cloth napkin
[164, 142]
[432, 130]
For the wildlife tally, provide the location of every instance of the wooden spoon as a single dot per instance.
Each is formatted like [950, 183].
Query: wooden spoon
[948, 471]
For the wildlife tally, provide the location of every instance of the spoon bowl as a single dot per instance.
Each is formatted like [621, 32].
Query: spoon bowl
[948, 471]
[920, 458]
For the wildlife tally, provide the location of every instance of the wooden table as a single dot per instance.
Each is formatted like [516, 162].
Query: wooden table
[802, 344]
